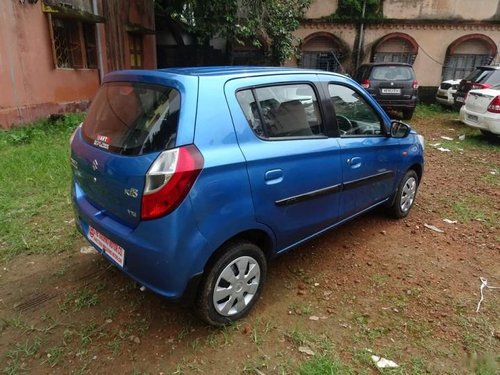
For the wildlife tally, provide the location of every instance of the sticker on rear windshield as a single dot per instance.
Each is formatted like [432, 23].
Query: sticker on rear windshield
[102, 141]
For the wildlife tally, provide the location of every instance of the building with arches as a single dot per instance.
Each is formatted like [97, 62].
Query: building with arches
[442, 39]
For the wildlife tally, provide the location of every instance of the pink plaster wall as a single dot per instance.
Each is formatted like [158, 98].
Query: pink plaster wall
[30, 85]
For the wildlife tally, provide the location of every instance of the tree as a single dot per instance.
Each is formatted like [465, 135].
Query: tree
[242, 21]
[275, 21]
[353, 9]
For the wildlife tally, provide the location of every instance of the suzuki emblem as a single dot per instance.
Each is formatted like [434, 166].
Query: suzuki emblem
[95, 165]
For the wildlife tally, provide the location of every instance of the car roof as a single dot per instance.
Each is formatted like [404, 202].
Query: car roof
[488, 67]
[387, 64]
[216, 71]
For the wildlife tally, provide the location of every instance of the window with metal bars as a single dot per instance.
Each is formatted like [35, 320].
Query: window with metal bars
[399, 57]
[323, 60]
[73, 43]
[458, 66]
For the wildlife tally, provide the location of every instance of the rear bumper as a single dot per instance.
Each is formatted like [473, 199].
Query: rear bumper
[485, 121]
[163, 256]
[444, 99]
[397, 104]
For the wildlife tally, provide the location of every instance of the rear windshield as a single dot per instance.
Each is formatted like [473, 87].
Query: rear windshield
[133, 118]
[479, 75]
[392, 73]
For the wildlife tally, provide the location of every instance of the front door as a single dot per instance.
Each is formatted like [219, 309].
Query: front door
[369, 157]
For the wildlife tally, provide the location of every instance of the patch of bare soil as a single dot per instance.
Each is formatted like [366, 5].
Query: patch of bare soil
[373, 286]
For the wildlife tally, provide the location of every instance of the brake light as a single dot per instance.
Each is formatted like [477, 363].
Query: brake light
[415, 84]
[169, 180]
[366, 83]
[476, 86]
[495, 105]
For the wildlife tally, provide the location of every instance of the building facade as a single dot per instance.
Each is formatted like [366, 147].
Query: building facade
[442, 39]
[54, 53]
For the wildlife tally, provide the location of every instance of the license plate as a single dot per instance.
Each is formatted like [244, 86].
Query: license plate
[390, 91]
[114, 251]
[459, 99]
[472, 118]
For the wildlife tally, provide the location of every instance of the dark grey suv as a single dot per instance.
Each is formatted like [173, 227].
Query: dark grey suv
[393, 85]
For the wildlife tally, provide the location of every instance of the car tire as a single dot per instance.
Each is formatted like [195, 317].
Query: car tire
[487, 134]
[408, 113]
[232, 284]
[405, 195]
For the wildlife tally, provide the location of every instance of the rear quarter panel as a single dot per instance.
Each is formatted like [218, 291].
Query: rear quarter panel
[221, 196]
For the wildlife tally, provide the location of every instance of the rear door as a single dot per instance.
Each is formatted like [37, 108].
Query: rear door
[127, 125]
[370, 159]
[293, 166]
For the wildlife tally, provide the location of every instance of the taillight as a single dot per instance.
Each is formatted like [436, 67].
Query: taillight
[169, 180]
[366, 83]
[476, 86]
[495, 105]
[415, 84]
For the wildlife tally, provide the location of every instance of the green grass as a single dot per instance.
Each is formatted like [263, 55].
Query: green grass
[324, 365]
[493, 176]
[80, 299]
[472, 207]
[474, 140]
[34, 193]
[15, 359]
[54, 355]
[424, 110]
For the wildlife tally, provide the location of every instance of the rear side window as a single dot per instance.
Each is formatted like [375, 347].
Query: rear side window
[392, 73]
[133, 118]
[282, 111]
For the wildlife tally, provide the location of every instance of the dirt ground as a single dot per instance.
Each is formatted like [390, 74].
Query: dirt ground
[373, 286]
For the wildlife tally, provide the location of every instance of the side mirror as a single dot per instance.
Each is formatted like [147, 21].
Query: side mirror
[399, 129]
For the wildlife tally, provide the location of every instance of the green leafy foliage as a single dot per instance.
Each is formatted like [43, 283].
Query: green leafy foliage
[353, 9]
[267, 24]
[275, 21]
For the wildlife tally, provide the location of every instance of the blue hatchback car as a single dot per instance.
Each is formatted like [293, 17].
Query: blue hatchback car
[190, 180]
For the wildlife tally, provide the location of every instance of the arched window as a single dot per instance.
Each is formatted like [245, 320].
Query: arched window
[395, 47]
[323, 51]
[467, 52]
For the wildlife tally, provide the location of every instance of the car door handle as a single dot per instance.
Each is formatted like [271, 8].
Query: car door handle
[354, 162]
[273, 176]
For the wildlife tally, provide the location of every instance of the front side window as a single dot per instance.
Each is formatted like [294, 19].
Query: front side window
[133, 118]
[282, 111]
[355, 117]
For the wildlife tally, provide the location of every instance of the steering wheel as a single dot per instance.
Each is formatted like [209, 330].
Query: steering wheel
[344, 124]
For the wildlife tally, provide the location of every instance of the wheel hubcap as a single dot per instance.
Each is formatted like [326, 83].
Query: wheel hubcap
[408, 194]
[236, 286]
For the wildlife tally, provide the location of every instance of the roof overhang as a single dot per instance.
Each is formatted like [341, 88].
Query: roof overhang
[66, 11]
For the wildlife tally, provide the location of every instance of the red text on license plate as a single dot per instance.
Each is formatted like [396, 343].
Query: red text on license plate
[115, 252]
